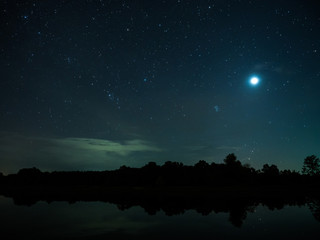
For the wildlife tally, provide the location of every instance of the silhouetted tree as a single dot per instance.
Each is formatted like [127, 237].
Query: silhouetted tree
[202, 164]
[270, 170]
[29, 172]
[31, 176]
[314, 206]
[124, 167]
[311, 165]
[151, 165]
[286, 172]
[169, 165]
[231, 160]
[238, 213]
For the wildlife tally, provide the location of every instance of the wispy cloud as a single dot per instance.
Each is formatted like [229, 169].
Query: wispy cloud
[92, 144]
[18, 151]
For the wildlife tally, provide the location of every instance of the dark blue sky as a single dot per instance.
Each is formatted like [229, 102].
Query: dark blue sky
[98, 84]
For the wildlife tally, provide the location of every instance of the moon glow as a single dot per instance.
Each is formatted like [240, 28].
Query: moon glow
[254, 81]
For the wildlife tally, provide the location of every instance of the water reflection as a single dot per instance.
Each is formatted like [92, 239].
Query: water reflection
[102, 220]
[237, 207]
[314, 206]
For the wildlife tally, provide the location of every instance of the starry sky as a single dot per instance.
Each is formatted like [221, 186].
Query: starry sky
[94, 85]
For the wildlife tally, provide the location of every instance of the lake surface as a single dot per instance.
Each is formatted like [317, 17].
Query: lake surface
[100, 220]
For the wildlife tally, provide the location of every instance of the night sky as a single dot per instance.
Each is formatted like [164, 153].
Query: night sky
[94, 85]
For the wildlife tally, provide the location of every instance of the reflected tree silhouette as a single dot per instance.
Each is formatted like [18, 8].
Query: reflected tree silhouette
[238, 208]
[237, 216]
[314, 206]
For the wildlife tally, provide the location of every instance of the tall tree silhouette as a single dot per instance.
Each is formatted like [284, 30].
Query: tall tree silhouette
[314, 206]
[202, 164]
[270, 170]
[231, 160]
[311, 165]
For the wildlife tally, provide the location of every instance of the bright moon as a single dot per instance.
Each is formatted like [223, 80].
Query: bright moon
[254, 81]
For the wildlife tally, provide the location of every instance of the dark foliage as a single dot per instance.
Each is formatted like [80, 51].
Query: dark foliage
[231, 161]
[173, 174]
[311, 165]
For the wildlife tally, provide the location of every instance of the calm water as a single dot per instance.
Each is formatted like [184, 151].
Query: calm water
[99, 220]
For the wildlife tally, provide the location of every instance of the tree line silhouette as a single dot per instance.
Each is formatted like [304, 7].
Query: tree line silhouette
[231, 172]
